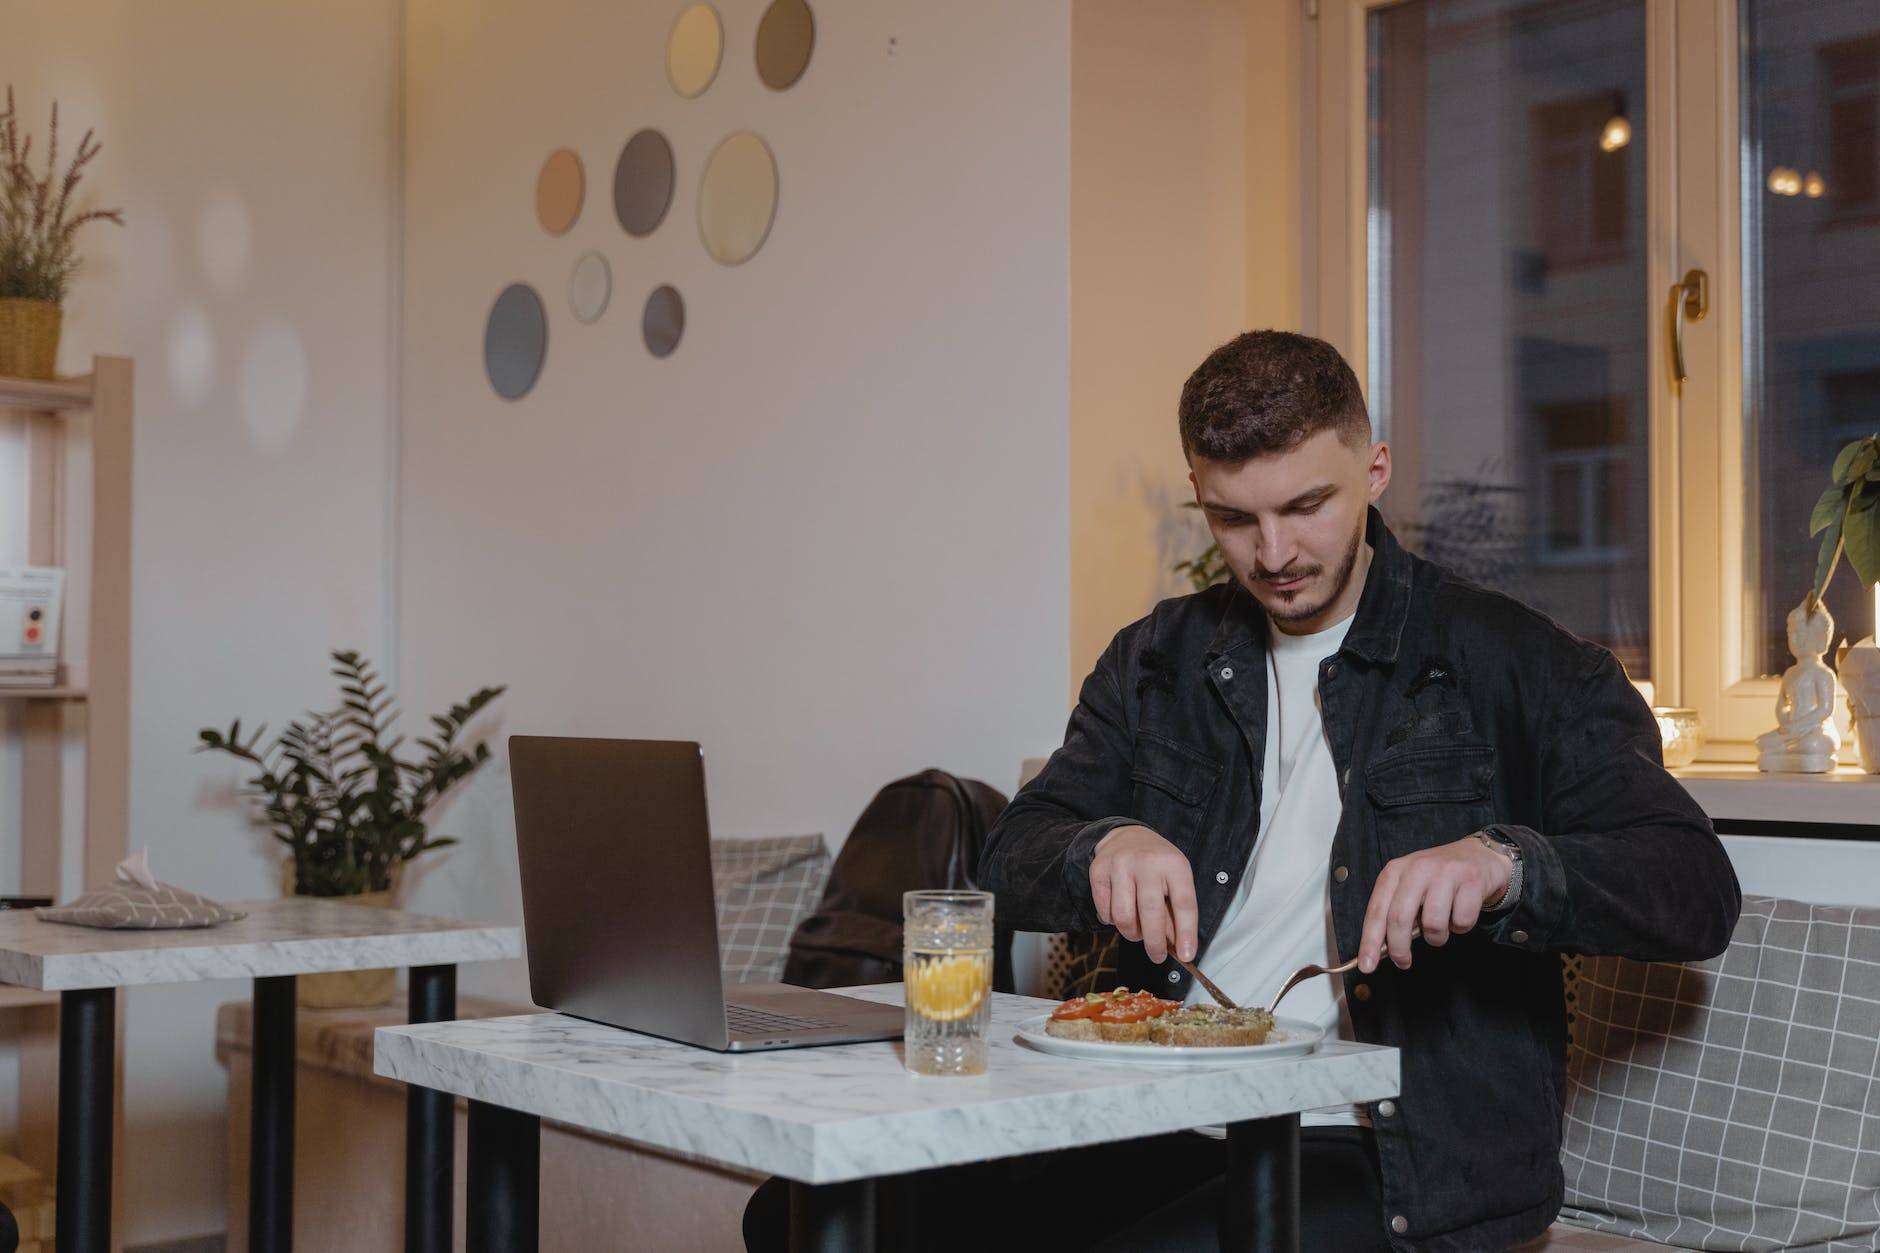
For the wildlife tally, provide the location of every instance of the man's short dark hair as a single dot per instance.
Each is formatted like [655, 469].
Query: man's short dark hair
[1270, 391]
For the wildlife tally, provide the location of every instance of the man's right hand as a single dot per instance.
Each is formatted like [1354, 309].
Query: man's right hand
[1144, 887]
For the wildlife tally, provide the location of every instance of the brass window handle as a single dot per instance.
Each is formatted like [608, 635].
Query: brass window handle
[1690, 300]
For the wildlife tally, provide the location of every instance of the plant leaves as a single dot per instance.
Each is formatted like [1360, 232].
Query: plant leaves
[348, 805]
[1863, 546]
[1844, 463]
[1831, 502]
[1824, 564]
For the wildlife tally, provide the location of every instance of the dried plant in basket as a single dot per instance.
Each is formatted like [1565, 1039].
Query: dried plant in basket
[39, 220]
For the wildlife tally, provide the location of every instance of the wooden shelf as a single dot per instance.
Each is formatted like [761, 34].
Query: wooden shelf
[63, 526]
[45, 395]
[13, 997]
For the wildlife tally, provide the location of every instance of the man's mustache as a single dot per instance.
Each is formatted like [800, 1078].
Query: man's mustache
[1287, 576]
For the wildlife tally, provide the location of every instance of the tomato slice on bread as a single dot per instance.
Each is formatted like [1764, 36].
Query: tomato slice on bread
[1120, 1006]
[1079, 1007]
[1135, 1007]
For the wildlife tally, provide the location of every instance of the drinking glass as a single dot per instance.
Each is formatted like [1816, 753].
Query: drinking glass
[947, 951]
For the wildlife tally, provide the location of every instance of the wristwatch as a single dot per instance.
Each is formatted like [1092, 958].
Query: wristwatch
[1502, 844]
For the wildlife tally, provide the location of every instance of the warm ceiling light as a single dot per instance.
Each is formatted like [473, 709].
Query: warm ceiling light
[1814, 186]
[1616, 134]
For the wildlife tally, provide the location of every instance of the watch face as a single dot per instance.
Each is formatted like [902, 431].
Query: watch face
[1498, 840]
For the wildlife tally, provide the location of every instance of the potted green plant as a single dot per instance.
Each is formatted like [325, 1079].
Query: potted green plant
[38, 224]
[1206, 568]
[1847, 521]
[335, 788]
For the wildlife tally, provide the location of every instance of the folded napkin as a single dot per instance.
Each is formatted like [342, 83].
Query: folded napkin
[137, 902]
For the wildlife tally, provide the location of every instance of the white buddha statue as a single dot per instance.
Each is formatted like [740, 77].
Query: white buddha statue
[1805, 738]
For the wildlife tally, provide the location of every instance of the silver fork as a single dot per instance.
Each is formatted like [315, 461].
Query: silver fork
[1312, 972]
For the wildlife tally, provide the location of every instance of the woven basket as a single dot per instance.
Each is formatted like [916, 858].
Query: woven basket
[29, 338]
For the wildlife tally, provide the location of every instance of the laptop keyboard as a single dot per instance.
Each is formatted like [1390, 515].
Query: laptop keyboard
[743, 1020]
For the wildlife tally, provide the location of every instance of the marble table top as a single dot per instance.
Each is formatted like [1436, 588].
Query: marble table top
[285, 936]
[841, 1112]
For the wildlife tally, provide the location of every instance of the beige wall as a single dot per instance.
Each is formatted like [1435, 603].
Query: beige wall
[827, 536]
[911, 468]
[1185, 194]
[252, 146]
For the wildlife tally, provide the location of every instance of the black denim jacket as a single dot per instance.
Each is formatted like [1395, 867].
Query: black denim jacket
[1449, 709]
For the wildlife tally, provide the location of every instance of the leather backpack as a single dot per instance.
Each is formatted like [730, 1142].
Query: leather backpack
[924, 831]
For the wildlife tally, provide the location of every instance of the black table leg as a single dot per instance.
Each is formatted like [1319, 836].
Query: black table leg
[430, 1126]
[87, 1065]
[832, 1217]
[1260, 1195]
[897, 1213]
[503, 1183]
[271, 1119]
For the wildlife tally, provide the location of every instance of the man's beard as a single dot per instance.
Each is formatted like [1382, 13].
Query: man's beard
[1301, 611]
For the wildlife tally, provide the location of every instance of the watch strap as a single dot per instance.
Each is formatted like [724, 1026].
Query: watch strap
[1501, 844]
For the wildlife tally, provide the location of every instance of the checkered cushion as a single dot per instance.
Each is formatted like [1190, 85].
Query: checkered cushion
[764, 887]
[1732, 1103]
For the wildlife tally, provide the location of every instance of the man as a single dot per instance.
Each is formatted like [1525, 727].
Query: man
[1341, 747]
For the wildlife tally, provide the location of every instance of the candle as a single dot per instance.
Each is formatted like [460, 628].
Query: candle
[1682, 733]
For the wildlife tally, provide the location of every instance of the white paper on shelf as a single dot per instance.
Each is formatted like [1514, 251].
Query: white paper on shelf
[31, 598]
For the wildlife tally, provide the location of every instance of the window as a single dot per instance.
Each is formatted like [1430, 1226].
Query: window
[1580, 184]
[1811, 311]
[1850, 80]
[1585, 497]
[1505, 327]
[1505, 195]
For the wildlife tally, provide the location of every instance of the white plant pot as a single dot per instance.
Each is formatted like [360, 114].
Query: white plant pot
[1860, 677]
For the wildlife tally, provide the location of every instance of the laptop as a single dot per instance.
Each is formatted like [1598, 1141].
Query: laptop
[617, 904]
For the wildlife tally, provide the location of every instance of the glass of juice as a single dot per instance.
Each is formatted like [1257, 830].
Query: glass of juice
[947, 951]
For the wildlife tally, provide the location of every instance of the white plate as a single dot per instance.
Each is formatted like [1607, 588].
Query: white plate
[1289, 1038]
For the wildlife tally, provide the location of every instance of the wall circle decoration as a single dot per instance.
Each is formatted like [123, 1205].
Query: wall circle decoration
[663, 323]
[737, 198]
[515, 340]
[785, 37]
[643, 182]
[590, 287]
[559, 190]
[694, 50]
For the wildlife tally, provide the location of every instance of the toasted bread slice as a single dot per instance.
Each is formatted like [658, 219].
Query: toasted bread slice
[1125, 1032]
[1072, 1028]
[1209, 1026]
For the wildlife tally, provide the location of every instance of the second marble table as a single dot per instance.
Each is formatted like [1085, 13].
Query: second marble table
[835, 1119]
[277, 941]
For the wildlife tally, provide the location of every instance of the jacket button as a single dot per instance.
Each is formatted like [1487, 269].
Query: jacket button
[1386, 1109]
[1341, 874]
[1400, 1224]
[1174, 976]
[1220, 876]
[1331, 669]
[1227, 672]
[1519, 937]
[1362, 991]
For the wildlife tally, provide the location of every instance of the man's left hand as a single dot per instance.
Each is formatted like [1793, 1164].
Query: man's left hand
[1442, 890]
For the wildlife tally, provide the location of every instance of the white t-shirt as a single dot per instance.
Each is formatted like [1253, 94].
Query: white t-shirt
[1281, 916]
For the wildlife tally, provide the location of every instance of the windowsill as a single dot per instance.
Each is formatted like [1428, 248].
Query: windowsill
[1737, 792]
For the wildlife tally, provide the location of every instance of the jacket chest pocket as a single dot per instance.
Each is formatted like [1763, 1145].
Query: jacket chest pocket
[1423, 797]
[1172, 785]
